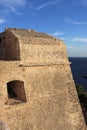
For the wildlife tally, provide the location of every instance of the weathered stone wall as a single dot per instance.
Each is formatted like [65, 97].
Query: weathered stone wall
[52, 101]
[15, 47]
[43, 54]
[37, 47]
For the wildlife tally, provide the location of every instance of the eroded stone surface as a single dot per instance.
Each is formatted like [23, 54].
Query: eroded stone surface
[41, 63]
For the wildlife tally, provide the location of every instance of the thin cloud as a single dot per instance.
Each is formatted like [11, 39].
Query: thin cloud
[14, 2]
[57, 33]
[48, 4]
[12, 5]
[74, 22]
[70, 47]
[62, 38]
[2, 21]
[77, 51]
[84, 2]
[78, 39]
[13, 10]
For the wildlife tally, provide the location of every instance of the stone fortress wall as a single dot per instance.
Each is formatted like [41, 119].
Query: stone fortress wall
[34, 70]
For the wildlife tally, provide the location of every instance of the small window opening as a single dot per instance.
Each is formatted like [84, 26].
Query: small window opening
[16, 92]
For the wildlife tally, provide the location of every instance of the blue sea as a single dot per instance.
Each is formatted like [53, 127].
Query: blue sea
[79, 69]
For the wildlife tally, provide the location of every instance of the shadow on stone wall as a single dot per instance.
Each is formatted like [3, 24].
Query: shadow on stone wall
[9, 48]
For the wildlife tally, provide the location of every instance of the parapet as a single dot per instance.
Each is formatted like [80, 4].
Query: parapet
[31, 46]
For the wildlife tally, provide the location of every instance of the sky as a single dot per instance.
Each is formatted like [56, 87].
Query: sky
[64, 19]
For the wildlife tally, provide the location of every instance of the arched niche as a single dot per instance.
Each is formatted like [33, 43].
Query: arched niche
[16, 92]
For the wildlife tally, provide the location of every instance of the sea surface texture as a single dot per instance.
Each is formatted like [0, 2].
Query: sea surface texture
[79, 69]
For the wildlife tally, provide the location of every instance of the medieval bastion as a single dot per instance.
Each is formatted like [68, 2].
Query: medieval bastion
[37, 91]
